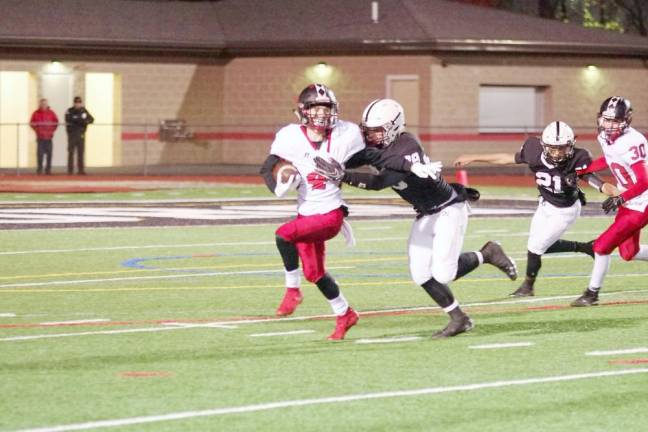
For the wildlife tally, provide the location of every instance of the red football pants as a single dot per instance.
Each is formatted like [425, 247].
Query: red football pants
[308, 234]
[623, 233]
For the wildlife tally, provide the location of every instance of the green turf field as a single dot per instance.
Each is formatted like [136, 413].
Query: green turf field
[157, 345]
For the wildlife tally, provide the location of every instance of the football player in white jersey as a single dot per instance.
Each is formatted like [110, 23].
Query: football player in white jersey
[624, 153]
[320, 209]
[554, 159]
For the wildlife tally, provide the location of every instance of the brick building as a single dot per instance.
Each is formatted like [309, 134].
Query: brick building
[470, 77]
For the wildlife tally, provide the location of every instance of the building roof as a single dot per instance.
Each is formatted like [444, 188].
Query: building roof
[262, 27]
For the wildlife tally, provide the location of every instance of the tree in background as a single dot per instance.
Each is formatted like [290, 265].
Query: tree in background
[616, 15]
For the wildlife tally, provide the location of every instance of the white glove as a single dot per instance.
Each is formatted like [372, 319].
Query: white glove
[431, 169]
[282, 188]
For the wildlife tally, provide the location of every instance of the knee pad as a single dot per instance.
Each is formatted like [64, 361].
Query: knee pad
[444, 276]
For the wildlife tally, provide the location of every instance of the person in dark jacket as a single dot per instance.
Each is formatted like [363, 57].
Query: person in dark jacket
[77, 119]
[44, 122]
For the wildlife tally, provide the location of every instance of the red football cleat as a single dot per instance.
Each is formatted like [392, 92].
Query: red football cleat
[343, 323]
[291, 300]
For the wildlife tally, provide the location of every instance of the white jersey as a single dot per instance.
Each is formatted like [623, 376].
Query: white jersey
[626, 151]
[316, 195]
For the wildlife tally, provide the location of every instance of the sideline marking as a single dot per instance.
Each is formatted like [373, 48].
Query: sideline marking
[502, 345]
[615, 352]
[328, 400]
[62, 323]
[389, 340]
[286, 333]
[7, 315]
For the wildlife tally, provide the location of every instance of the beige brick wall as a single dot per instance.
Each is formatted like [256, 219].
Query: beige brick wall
[259, 94]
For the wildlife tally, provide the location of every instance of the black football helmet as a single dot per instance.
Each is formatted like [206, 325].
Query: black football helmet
[614, 117]
[316, 95]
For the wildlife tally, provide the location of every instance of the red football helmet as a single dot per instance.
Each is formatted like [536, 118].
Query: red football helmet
[317, 107]
[614, 117]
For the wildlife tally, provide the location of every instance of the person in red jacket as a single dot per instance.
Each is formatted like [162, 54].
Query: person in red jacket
[44, 122]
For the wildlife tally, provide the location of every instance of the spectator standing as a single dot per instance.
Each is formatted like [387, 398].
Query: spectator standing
[44, 122]
[77, 119]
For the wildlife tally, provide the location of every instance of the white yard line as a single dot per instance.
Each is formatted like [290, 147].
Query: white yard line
[216, 324]
[168, 246]
[86, 321]
[7, 315]
[389, 340]
[208, 325]
[89, 333]
[286, 333]
[185, 415]
[618, 352]
[130, 278]
[502, 345]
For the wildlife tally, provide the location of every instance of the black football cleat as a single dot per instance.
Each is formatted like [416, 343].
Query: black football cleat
[586, 248]
[495, 255]
[525, 290]
[589, 298]
[455, 327]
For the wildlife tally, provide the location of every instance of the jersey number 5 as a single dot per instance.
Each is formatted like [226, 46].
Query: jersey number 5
[546, 180]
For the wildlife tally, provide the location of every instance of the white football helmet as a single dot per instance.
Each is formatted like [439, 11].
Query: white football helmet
[558, 142]
[383, 120]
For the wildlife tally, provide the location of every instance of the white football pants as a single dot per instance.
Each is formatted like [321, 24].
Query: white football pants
[435, 244]
[549, 223]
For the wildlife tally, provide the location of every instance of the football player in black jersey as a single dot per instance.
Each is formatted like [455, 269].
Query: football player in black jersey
[436, 238]
[553, 159]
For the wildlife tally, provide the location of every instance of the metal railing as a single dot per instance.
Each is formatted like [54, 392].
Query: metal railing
[184, 148]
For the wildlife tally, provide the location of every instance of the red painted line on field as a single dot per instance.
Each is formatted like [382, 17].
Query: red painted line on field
[628, 361]
[145, 374]
[233, 320]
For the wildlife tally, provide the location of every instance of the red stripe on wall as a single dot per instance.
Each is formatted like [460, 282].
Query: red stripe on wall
[269, 136]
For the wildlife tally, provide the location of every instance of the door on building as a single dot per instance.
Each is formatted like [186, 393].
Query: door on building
[57, 88]
[15, 111]
[405, 90]
[103, 138]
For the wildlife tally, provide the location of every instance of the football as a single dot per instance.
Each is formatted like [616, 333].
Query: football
[284, 169]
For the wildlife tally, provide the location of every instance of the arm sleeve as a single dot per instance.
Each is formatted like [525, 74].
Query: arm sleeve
[383, 180]
[593, 180]
[32, 121]
[641, 185]
[90, 119]
[266, 171]
[359, 159]
[596, 165]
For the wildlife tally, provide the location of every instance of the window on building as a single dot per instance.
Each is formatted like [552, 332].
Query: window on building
[510, 108]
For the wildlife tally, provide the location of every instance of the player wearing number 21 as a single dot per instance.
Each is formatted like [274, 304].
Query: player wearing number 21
[624, 152]
[554, 159]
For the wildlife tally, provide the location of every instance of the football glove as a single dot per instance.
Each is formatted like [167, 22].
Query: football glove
[283, 187]
[431, 169]
[612, 203]
[331, 169]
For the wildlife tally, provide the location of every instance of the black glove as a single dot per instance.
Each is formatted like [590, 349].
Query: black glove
[612, 203]
[581, 197]
[330, 169]
[571, 179]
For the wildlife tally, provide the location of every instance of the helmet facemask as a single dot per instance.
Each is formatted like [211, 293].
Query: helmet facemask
[557, 154]
[319, 116]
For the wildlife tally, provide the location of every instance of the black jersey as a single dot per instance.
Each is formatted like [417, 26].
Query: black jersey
[426, 195]
[557, 183]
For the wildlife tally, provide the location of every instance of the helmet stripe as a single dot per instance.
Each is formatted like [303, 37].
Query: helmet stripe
[369, 108]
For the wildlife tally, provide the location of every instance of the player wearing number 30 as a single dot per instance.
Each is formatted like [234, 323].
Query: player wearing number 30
[624, 152]
[554, 159]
